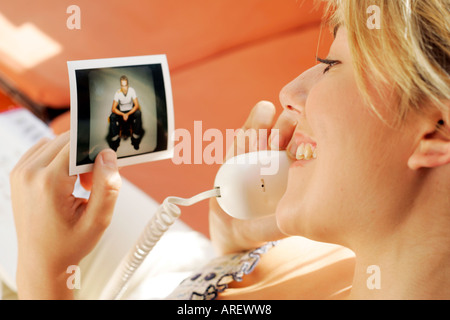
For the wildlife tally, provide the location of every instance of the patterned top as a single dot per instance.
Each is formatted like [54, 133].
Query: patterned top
[216, 275]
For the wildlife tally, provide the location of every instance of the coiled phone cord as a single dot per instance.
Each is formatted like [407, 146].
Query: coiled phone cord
[164, 217]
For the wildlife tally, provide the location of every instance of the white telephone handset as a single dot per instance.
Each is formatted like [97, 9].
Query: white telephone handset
[252, 184]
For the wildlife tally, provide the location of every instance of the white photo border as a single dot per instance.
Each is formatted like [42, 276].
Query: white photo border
[73, 66]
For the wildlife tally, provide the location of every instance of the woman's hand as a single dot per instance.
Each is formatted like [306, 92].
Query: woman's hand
[55, 229]
[233, 235]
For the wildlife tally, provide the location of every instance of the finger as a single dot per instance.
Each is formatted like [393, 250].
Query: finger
[262, 122]
[49, 152]
[282, 131]
[106, 183]
[30, 153]
[58, 169]
[255, 131]
[261, 116]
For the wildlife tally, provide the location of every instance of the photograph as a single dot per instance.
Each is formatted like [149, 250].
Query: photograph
[120, 103]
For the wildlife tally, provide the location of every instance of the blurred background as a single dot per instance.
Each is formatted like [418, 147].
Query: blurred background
[224, 56]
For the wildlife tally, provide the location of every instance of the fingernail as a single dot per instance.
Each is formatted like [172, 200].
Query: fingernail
[109, 158]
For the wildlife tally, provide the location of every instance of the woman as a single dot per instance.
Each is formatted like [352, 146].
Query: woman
[377, 113]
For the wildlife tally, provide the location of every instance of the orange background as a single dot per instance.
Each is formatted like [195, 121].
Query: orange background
[224, 56]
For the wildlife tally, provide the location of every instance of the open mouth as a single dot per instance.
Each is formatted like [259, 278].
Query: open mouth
[305, 148]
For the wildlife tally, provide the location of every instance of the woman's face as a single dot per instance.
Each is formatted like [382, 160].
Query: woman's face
[350, 187]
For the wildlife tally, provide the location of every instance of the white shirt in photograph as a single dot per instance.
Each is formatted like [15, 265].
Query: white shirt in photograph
[125, 101]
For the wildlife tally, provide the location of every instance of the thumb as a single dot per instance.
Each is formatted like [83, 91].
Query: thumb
[106, 183]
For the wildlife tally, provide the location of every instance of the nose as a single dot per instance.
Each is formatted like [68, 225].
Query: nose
[294, 95]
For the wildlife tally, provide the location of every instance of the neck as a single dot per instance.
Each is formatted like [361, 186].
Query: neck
[412, 260]
[424, 275]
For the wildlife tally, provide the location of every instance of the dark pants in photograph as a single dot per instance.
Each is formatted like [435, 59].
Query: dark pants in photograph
[118, 129]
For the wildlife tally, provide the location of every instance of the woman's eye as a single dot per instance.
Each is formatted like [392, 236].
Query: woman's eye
[329, 62]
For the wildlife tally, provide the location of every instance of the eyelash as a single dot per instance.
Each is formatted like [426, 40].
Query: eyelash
[330, 63]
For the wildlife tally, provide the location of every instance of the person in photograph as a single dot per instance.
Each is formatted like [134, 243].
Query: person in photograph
[125, 119]
[367, 218]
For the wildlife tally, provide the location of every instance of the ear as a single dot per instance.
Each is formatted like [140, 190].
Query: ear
[433, 149]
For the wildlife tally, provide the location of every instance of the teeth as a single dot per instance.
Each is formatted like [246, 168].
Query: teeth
[300, 152]
[306, 152]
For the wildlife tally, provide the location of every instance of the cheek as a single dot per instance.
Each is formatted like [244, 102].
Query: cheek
[331, 114]
[321, 194]
[351, 139]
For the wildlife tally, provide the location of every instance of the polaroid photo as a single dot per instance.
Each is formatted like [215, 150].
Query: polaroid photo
[120, 103]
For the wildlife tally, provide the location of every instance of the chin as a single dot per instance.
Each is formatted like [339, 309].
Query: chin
[291, 218]
[297, 217]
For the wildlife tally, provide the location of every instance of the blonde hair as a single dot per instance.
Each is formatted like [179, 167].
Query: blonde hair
[410, 52]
